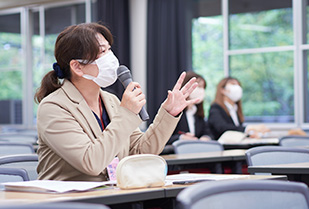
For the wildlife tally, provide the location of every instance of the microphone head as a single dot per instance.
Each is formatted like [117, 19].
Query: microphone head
[124, 75]
[122, 69]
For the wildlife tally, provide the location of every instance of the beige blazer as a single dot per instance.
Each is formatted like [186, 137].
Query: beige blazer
[72, 145]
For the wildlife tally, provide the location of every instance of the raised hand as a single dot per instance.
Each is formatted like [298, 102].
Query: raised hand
[176, 100]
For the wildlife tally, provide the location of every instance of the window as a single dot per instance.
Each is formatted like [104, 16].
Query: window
[27, 39]
[11, 69]
[267, 80]
[255, 29]
[305, 59]
[47, 25]
[207, 49]
[266, 73]
[254, 42]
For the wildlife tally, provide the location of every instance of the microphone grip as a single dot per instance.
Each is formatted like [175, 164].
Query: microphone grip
[143, 114]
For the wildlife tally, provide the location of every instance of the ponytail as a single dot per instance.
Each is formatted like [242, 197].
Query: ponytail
[49, 84]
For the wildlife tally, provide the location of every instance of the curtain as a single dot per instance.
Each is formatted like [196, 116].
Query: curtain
[115, 15]
[168, 48]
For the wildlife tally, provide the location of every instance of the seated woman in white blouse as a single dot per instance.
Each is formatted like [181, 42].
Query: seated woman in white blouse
[192, 125]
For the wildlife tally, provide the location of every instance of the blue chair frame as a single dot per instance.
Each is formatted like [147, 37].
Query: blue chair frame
[274, 155]
[294, 141]
[196, 146]
[27, 148]
[15, 172]
[17, 161]
[249, 194]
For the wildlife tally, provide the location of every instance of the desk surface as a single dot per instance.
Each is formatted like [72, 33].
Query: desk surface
[291, 168]
[106, 196]
[205, 157]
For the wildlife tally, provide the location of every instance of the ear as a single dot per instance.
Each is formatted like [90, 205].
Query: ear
[223, 91]
[76, 68]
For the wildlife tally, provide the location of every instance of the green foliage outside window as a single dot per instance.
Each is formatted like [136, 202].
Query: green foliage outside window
[11, 85]
[267, 78]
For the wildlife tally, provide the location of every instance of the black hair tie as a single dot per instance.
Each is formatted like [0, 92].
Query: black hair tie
[58, 70]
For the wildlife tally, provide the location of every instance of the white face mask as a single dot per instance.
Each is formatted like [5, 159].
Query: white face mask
[234, 92]
[198, 93]
[108, 65]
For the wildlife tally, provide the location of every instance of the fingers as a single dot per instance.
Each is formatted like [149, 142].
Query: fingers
[189, 87]
[193, 101]
[134, 89]
[132, 86]
[133, 98]
[179, 81]
[170, 96]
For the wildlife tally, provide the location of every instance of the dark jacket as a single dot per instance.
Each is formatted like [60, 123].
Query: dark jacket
[219, 121]
[201, 128]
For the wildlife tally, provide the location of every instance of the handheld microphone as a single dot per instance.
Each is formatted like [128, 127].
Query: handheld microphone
[125, 78]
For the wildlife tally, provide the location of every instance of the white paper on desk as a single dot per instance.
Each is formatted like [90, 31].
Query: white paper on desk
[194, 176]
[236, 137]
[260, 141]
[54, 186]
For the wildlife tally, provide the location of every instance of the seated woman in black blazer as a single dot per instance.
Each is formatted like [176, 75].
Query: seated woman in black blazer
[226, 113]
[192, 125]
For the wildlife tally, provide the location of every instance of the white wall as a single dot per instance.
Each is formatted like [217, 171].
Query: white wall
[138, 35]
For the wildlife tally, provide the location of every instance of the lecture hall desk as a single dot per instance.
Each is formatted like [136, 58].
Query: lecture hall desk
[113, 197]
[180, 162]
[293, 171]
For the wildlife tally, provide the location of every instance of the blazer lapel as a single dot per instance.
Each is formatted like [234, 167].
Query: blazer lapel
[82, 107]
[109, 104]
[89, 118]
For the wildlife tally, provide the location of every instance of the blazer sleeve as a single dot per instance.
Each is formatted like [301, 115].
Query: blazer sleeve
[182, 127]
[156, 136]
[220, 122]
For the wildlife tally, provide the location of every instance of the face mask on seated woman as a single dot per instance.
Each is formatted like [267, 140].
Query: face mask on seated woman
[198, 93]
[108, 65]
[233, 91]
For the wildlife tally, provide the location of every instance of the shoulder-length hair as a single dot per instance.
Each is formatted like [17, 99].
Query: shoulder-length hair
[219, 97]
[74, 42]
[200, 107]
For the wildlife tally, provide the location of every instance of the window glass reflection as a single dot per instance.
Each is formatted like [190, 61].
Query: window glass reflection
[11, 68]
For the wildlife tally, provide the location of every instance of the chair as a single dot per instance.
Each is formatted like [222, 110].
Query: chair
[19, 137]
[271, 155]
[294, 141]
[196, 146]
[249, 194]
[59, 205]
[28, 162]
[9, 148]
[12, 175]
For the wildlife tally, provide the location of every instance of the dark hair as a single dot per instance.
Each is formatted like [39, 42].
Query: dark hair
[219, 97]
[74, 42]
[200, 107]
